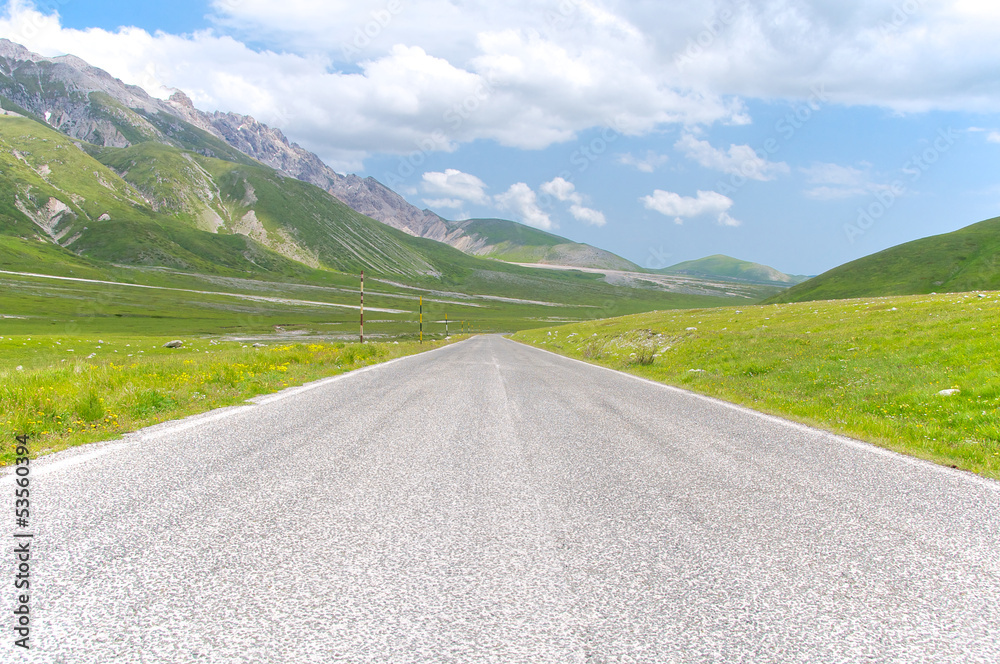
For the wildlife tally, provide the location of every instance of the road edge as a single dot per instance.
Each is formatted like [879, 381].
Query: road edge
[79, 454]
[840, 438]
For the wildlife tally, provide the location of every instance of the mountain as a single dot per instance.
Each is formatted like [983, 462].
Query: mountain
[964, 260]
[88, 104]
[157, 214]
[517, 243]
[732, 269]
[158, 205]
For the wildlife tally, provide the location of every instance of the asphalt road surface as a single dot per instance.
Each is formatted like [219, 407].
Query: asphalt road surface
[488, 502]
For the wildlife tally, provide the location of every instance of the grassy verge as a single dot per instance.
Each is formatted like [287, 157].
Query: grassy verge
[65, 391]
[868, 368]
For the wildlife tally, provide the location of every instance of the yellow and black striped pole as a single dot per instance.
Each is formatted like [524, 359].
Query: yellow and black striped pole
[421, 319]
[362, 335]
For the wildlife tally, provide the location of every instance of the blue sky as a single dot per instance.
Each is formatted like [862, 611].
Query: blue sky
[800, 135]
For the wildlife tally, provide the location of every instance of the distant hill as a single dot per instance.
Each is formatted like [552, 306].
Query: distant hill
[516, 243]
[964, 260]
[727, 268]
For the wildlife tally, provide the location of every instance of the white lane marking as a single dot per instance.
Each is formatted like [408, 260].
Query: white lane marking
[42, 467]
[804, 428]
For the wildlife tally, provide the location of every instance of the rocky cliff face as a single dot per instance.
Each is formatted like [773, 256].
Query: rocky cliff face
[366, 195]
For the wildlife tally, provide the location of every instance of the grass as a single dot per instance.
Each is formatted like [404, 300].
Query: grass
[65, 391]
[867, 368]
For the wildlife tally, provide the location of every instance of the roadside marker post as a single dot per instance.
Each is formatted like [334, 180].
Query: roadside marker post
[362, 335]
[421, 319]
[446, 326]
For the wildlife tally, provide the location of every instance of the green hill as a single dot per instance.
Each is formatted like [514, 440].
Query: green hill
[964, 260]
[731, 269]
[153, 204]
[516, 243]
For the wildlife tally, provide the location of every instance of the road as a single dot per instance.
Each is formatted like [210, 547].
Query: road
[490, 502]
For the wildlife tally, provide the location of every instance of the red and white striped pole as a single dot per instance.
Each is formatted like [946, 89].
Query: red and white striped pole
[362, 336]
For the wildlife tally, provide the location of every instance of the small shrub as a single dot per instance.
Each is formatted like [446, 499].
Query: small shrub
[643, 355]
[593, 349]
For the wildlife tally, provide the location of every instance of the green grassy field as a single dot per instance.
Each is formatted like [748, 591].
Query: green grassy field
[69, 390]
[221, 305]
[868, 368]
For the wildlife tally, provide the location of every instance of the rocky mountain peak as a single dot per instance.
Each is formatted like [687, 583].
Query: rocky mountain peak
[14, 51]
[178, 98]
[77, 63]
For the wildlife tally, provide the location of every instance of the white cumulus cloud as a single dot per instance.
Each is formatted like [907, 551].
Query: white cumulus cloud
[740, 160]
[705, 203]
[455, 186]
[565, 191]
[562, 190]
[587, 215]
[415, 85]
[352, 79]
[523, 202]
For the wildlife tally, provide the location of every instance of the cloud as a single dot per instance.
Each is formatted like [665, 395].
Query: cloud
[909, 56]
[740, 160]
[443, 202]
[565, 191]
[993, 137]
[646, 164]
[416, 85]
[587, 215]
[455, 186]
[522, 201]
[833, 181]
[562, 190]
[706, 203]
[348, 80]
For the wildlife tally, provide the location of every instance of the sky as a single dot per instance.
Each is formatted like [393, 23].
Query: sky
[801, 134]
